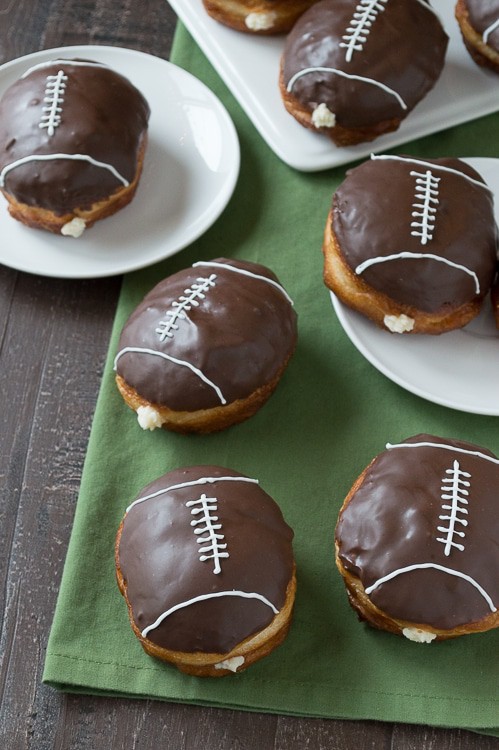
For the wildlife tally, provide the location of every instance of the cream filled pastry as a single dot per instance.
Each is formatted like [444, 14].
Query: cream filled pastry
[354, 70]
[411, 243]
[479, 24]
[206, 347]
[257, 16]
[73, 135]
[417, 540]
[205, 562]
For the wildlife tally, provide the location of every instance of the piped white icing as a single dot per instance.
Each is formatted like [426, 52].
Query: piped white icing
[197, 291]
[204, 597]
[54, 97]
[435, 566]
[405, 255]
[425, 205]
[50, 63]
[439, 167]
[488, 31]
[192, 483]
[243, 272]
[181, 362]
[454, 490]
[49, 157]
[365, 14]
[390, 446]
[205, 507]
[341, 73]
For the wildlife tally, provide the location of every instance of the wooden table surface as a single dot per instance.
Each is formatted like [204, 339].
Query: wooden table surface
[54, 336]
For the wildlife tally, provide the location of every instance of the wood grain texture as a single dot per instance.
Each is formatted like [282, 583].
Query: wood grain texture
[53, 342]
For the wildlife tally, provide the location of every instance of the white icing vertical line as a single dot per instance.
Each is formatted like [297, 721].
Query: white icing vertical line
[425, 205]
[454, 489]
[54, 91]
[205, 507]
[364, 16]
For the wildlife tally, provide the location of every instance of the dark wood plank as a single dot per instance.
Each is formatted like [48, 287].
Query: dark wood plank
[53, 343]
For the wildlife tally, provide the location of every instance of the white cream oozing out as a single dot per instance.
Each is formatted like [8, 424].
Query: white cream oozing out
[322, 117]
[418, 635]
[148, 418]
[260, 21]
[456, 491]
[49, 157]
[192, 483]
[360, 25]
[399, 323]
[488, 31]
[243, 272]
[342, 74]
[74, 228]
[231, 664]
[191, 297]
[174, 360]
[204, 597]
[205, 522]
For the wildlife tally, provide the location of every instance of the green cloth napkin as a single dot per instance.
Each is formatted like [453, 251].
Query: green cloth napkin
[331, 413]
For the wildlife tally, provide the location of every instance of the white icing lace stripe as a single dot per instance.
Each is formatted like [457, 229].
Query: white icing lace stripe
[203, 597]
[365, 14]
[181, 362]
[417, 256]
[341, 73]
[203, 510]
[49, 157]
[454, 490]
[443, 569]
[244, 272]
[54, 97]
[184, 304]
[488, 31]
[192, 483]
[49, 63]
[433, 166]
[390, 446]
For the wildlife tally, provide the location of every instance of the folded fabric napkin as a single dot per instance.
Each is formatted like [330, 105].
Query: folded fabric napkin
[330, 415]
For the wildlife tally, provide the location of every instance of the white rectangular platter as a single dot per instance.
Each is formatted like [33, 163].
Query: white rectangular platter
[249, 65]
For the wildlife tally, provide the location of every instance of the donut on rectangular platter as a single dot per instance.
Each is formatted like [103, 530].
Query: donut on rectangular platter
[411, 243]
[206, 347]
[257, 16]
[204, 560]
[354, 70]
[417, 540]
[479, 24]
[73, 135]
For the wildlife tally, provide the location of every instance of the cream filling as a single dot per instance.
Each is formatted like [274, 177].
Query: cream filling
[398, 323]
[418, 636]
[232, 664]
[322, 117]
[74, 228]
[260, 21]
[148, 418]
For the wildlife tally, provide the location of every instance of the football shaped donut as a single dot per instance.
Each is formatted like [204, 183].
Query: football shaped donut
[257, 16]
[411, 243]
[206, 347]
[73, 135]
[479, 25]
[353, 70]
[417, 540]
[205, 562]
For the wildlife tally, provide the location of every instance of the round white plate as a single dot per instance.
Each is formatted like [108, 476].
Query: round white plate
[190, 172]
[458, 369]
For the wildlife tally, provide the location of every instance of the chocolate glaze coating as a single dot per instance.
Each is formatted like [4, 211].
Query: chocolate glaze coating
[160, 560]
[483, 13]
[391, 521]
[372, 215]
[404, 49]
[238, 335]
[103, 116]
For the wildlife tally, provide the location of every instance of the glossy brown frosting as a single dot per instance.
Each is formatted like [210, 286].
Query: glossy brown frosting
[372, 216]
[404, 49]
[102, 115]
[238, 335]
[482, 14]
[159, 557]
[393, 521]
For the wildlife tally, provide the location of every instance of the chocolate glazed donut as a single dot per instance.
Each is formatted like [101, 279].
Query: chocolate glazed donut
[479, 24]
[417, 539]
[354, 70]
